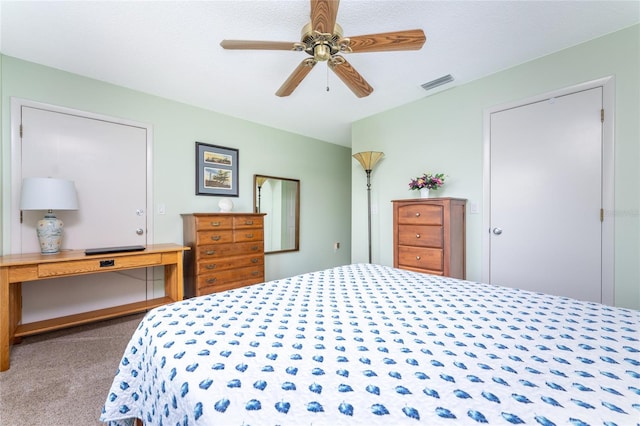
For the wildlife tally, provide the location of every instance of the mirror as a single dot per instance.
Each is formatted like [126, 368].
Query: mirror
[279, 199]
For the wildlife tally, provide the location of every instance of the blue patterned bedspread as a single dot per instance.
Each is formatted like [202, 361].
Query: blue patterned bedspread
[373, 345]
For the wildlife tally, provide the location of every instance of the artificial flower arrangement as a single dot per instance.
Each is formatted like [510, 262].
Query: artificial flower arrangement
[428, 181]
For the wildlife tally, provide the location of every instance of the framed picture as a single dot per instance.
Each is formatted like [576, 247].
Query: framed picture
[216, 170]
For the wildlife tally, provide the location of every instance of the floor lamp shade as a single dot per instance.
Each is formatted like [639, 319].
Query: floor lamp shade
[48, 194]
[368, 160]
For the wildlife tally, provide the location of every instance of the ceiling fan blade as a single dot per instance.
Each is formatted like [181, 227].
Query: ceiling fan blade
[384, 42]
[258, 45]
[323, 15]
[296, 77]
[350, 76]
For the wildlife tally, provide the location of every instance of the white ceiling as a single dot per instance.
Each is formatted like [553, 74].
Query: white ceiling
[171, 49]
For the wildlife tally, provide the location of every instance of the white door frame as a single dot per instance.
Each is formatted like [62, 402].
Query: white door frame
[13, 199]
[608, 174]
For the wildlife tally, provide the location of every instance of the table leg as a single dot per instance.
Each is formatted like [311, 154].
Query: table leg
[5, 318]
[15, 311]
[173, 284]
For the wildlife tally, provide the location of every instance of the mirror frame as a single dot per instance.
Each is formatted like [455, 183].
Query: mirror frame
[297, 209]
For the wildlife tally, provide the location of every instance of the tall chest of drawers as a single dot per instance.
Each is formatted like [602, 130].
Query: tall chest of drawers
[429, 236]
[227, 251]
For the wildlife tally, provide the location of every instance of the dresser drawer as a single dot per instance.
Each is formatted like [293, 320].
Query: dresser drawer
[241, 222]
[421, 214]
[424, 271]
[225, 250]
[213, 265]
[213, 222]
[210, 237]
[102, 264]
[421, 258]
[422, 236]
[249, 234]
[232, 285]
[229, 276]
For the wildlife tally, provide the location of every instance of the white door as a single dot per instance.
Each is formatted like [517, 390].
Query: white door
[108, 163]
[546, 196]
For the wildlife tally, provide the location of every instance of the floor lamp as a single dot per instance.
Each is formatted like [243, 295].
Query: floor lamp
[259, 182]
[368, 160]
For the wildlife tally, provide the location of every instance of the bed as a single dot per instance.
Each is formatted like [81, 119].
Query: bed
[368, 344]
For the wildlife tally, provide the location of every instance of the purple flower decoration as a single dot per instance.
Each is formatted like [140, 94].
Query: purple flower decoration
[427, 180]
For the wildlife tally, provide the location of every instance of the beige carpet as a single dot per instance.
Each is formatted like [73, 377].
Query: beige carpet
[62, 378]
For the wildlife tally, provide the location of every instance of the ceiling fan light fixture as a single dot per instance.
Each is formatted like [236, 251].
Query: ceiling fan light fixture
[437, 82]
[321, 52]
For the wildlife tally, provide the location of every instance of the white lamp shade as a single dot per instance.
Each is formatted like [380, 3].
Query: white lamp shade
[48, 194]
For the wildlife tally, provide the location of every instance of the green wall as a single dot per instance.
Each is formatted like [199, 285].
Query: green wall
[444, 133]
[323, 168]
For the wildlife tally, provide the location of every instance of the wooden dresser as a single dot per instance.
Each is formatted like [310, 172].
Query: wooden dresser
[227, 251]
[429, 236]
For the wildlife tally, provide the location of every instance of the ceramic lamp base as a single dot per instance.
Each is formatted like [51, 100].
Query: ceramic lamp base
[50, 234]
[226, 205]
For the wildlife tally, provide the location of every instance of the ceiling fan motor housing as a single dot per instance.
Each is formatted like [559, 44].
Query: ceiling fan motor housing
[322, 46]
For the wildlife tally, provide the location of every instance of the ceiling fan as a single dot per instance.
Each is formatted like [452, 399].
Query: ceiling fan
[322, 39]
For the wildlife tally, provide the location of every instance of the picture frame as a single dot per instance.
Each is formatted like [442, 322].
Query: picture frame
[216, 170]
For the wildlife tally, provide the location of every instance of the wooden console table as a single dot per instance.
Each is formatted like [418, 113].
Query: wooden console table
[14, 269]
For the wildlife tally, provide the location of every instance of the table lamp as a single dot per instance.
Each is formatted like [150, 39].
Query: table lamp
[48, 194]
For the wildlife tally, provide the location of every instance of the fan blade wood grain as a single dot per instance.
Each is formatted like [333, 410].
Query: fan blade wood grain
[258, 45]
[296, 77]
[350, 76]
[323, 15]
[385, 42]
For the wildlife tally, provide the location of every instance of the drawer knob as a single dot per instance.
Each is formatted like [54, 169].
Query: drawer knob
[417, 235]
[211, 266]
[215, 223]
[418, 214]
[249, 235]
[210, 252]
[215, 237]
[255, 260]
[254, 248]
[255, 273]
[417, 257]
[248, 222]
[211, 280]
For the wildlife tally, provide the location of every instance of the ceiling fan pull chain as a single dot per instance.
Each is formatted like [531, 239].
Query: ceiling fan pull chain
[327, 78]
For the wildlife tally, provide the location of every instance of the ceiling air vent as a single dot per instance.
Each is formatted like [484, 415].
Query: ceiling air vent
[437, 82]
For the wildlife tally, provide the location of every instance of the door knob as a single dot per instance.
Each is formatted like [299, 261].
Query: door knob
[139, 231]
[497, 231]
